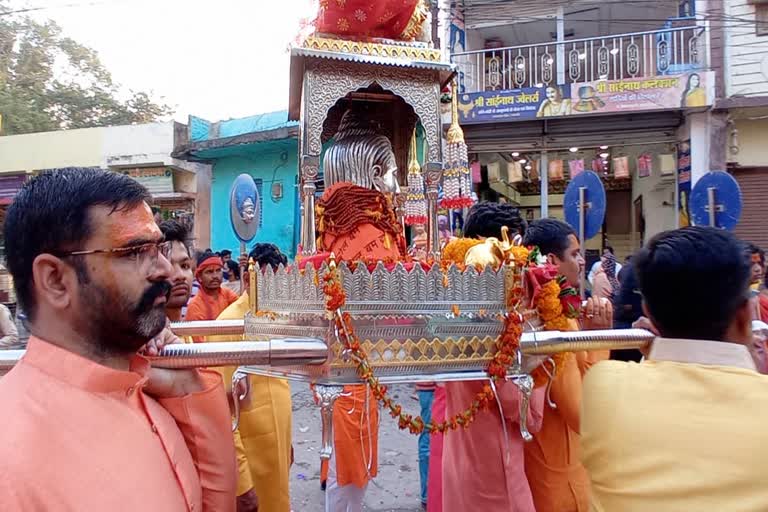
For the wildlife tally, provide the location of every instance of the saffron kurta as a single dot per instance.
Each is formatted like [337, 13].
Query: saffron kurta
[665, 436]
[558, 480]
[356, 436]
[263, 437]
[204, 306]
[482, 470]
[81, 436]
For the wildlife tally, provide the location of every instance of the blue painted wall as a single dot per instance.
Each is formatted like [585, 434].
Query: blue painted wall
[263, 162]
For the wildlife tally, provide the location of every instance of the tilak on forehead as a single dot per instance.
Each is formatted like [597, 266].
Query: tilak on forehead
[136, 223]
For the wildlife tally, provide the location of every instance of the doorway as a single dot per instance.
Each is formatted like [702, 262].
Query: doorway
[639, 220]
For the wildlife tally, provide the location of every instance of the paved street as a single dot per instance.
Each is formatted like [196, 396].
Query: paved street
[396, 489]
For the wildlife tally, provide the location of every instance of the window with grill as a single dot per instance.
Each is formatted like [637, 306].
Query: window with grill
[260, 187]
[761, 17]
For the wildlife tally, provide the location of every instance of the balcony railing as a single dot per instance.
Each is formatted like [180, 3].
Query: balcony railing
[669, 51]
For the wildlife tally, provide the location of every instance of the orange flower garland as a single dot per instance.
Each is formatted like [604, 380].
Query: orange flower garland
[507, 346]
[552, 305]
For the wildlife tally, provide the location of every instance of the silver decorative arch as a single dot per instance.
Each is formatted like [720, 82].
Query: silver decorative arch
[328, 81]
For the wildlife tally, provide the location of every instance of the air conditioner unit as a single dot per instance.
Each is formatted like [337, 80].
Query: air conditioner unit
[665, 182]
[667, 178]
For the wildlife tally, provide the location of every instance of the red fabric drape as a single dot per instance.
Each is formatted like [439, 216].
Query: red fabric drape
[366, 19]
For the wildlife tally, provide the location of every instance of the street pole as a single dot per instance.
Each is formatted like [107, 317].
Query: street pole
[582, 222]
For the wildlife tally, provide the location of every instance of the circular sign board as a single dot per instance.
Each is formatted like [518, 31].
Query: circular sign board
[727, 195]
[594, 197]
[244, 208]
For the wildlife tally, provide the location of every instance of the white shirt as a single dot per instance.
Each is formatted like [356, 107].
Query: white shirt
[8, 331]
[597, 266]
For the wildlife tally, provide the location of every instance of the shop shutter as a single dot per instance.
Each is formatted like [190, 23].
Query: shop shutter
[563, 133]
[753, 225]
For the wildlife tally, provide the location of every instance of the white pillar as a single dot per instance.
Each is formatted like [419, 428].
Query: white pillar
[698, 129]
[560, 47]
[444, 27]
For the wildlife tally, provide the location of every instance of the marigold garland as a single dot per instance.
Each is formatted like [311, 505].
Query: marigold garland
[507, 347]
[457, 248]
[554, 306]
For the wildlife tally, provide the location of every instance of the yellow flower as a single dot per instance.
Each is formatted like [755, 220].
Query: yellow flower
[558, 324]
[457, 249]
[548, 302]
[519, 255]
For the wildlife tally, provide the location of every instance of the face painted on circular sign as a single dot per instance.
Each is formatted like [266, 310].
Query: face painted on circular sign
[247, 210]
[244, 208]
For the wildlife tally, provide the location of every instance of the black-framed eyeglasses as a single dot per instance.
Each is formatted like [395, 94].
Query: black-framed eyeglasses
[142, 254]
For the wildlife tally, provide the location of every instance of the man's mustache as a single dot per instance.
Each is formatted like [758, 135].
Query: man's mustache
[147, 301]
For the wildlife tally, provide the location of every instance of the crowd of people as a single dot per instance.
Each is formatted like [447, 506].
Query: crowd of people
[90, 425]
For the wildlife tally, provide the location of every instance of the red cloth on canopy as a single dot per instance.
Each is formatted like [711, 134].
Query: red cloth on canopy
[390, 19]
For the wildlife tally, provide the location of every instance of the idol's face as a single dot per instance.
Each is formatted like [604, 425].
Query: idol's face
[248, 210]
[385, 176]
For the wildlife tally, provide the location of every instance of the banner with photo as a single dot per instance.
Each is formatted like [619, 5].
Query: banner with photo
[639, 94]
[690, 90]
[683, 182]
[515, 104]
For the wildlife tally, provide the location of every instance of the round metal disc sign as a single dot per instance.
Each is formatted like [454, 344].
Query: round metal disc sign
[244, 208]
[726, 196]
[594, 203]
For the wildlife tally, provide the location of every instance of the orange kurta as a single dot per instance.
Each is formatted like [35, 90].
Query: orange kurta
[355, 436]
[81, 436]
[559, 482]
[205, 306]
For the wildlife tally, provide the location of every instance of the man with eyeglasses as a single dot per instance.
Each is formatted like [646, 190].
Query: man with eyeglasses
[88, 423]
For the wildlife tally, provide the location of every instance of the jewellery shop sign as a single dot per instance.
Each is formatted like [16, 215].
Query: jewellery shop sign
[688, 90]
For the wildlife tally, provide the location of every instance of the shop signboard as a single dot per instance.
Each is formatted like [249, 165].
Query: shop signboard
[688, 90]
[516, 104]
[158, 180]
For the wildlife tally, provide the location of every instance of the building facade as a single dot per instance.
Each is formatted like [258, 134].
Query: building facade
[548, 90]
[265, 147]
[744, 108]
[180, 189]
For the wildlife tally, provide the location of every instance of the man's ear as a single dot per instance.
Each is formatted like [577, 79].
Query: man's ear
[740, 330]
[54, 281]
[552, 259]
